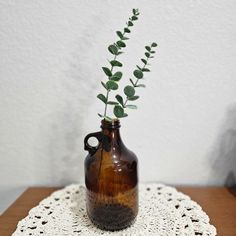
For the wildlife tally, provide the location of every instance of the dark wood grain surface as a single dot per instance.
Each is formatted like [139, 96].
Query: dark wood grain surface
[218, 202]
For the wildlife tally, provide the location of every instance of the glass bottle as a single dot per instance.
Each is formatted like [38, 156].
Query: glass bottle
[111, 179]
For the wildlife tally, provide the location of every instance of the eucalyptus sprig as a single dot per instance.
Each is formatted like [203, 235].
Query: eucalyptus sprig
[114, 78]
[130, 90]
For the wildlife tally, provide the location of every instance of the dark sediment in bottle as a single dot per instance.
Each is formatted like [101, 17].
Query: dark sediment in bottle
[113, 216]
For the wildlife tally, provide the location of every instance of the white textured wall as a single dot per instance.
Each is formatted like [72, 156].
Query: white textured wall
[51, 54]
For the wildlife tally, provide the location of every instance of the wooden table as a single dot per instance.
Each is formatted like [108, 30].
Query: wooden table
[218, 202]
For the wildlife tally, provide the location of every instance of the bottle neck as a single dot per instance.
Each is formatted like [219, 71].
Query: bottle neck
[111, 130]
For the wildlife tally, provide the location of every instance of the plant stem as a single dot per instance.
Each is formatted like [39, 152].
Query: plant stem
[105, 111]
[107, 96]
[136, 83]
[108, 91]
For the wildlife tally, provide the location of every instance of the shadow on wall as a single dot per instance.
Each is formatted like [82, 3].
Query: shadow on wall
[65, 149]
[65, 144]
[223, 157]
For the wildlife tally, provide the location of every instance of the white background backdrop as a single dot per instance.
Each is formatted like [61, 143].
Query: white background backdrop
[51, 54]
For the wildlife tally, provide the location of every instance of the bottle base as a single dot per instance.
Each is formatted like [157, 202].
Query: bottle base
[112, 217]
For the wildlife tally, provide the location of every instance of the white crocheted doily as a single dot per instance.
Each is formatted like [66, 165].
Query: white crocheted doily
[163, 211]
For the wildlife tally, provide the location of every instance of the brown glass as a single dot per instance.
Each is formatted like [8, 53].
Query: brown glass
[111, 179]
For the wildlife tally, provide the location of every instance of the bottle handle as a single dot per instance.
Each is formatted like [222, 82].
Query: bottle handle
[87, 146]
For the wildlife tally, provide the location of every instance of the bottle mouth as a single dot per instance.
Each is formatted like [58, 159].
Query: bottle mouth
[113, 124]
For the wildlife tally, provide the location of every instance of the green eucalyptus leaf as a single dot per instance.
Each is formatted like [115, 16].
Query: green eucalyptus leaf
[133, 98]
[147, 54]
[117, 47]
[117, 76]
[114, 78]
[121, 44]
[127, 30]
[112, 103]
[131, 106]
[120, 35]
[145, 70]
[102, 98]
[138, 74]
[113, 49]
[141, 85]
[148, 48]
[130, 23]
[111, 85]
[125, 38]
[120, 100]
[118, 111]
[152, 52]
[154, 45]
[129, 91]
[107, 118]
[119, 53]
[134, 18]
[144, 61]
[116, 63]
[132, 82]
[139, 67]
[134, 11]
[107, 71]
[104, 85]
[125, 115]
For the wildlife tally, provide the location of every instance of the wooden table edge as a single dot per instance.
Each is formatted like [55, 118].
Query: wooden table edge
[218, 202]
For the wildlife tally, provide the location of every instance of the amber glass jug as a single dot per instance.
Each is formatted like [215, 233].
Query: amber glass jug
[111, 179]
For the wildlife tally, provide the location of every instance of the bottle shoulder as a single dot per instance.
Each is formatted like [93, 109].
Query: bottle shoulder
[116, 156]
